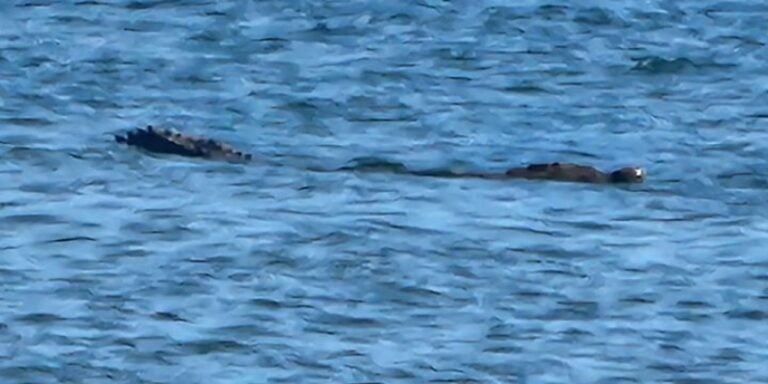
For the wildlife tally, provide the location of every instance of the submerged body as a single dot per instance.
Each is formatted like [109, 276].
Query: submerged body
[551, 171]
[165, 141]
[576, 173]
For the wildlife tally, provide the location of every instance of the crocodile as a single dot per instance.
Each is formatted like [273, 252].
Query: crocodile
[171, 142]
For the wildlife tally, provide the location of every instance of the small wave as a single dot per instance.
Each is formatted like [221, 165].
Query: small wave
[33, 218]
[27, 121]
[71, 239]
[597, 16]
[374, 164]
[208, 346]
[660, 65]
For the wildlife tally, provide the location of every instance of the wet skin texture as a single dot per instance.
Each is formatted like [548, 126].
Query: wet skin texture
[166, 141]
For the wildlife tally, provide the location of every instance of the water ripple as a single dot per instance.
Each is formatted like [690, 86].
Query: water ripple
[122, 266]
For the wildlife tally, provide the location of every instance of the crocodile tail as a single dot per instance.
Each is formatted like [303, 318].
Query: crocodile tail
[167, 141]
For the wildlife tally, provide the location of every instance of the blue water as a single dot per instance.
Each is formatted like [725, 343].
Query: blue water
[118, 266]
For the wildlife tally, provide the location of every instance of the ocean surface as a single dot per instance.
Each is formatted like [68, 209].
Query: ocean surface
[119, 266]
